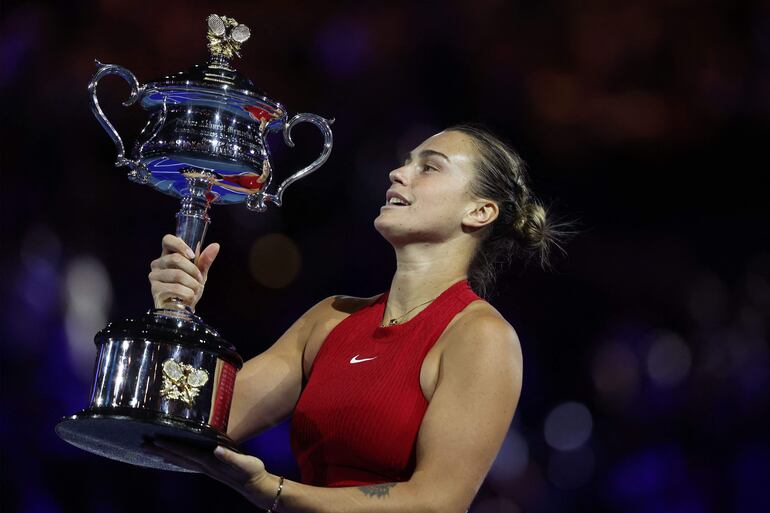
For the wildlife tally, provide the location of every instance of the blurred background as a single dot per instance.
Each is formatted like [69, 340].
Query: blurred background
[647, 121]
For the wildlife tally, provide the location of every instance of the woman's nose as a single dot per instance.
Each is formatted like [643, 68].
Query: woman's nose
[398, 175]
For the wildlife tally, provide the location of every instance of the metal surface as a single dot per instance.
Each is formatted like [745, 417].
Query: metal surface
[138, 172]
[129, 374]
[258, 201]
[168, 374]
[210, 118]
[192, 220]
[164, 375]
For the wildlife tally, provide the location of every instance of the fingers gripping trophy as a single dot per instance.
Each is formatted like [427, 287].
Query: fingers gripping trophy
[168, 374]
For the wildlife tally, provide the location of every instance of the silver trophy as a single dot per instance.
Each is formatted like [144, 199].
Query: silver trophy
[168, 374]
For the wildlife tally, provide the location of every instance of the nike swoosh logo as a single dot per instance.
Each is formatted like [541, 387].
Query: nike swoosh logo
[356, 360]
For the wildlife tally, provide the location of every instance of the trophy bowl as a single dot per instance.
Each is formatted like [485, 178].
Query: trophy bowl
[167, 374]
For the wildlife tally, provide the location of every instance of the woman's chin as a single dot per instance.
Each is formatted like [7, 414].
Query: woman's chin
[389, 229]
[381, 225]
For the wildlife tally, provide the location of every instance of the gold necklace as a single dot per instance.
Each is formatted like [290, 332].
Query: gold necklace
[396, 320]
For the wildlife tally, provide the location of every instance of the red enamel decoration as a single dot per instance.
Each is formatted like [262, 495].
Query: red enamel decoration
[246, 180]
[257, 113]
[220, 411]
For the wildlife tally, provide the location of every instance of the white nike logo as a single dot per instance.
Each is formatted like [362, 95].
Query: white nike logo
[356, 360]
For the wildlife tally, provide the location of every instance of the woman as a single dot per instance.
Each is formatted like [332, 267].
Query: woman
[408, 394]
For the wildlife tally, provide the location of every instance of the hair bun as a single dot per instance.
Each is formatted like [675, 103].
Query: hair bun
[537, 234]
[532, 224]
[524, 229]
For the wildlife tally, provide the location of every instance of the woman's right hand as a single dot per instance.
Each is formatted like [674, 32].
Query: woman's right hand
[175, 275]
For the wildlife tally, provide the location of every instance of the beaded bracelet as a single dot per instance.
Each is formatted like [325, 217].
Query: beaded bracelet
[277, 496]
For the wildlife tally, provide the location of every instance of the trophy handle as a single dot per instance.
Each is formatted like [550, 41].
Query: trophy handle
[258, 201]
[138, 172]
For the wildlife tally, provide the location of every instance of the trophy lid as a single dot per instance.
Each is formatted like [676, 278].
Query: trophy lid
[216, 79]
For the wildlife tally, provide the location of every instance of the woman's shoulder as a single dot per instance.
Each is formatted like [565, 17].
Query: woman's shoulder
[481, 312]
[480, 323]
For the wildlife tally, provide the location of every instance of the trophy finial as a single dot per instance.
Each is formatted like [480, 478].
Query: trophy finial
[226, 36]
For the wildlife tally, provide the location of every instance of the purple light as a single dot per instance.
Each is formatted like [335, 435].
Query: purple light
[18, 36]
[273, 448]
[643, 474]
[750, 475]
[343, 47]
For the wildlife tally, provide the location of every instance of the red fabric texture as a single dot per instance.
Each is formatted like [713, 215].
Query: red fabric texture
[357, 423]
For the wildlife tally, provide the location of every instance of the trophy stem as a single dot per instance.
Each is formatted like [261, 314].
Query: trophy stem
[192, 220]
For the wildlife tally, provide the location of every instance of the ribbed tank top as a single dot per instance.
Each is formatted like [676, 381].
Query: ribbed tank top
[356, 421]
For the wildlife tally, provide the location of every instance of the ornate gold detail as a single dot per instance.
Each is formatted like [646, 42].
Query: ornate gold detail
[226, 35]
[182, 381]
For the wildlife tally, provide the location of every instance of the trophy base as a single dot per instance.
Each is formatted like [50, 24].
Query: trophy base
[123, 437]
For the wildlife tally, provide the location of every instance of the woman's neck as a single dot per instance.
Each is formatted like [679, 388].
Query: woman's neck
[423, 272]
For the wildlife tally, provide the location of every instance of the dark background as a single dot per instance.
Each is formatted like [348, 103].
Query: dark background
[646, 357]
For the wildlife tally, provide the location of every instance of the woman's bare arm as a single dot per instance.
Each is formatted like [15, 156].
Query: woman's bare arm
[268, 385]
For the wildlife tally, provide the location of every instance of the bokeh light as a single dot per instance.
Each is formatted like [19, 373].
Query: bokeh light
[88, 300]
[38, 282]
[646, 122]
[274, 260]
[668, 360]
[568, 426]
[615, 371]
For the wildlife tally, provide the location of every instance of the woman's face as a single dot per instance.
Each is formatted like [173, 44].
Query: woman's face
[429, 198]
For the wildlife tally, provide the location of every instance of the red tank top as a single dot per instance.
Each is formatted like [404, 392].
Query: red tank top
[357, 419]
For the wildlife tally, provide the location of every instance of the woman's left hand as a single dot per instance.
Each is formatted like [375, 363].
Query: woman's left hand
[241, 472]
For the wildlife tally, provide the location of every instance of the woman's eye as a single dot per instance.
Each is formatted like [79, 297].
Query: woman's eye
[428, 167]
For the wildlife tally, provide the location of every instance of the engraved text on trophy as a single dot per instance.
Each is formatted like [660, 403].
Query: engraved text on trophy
[198, 131]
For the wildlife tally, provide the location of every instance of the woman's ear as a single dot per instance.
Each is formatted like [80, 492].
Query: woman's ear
[482, 213]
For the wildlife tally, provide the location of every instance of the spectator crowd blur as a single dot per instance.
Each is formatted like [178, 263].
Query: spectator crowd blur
[647, 368]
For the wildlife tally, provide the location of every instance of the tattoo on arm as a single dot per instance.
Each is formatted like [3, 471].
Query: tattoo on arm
[377, 490]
